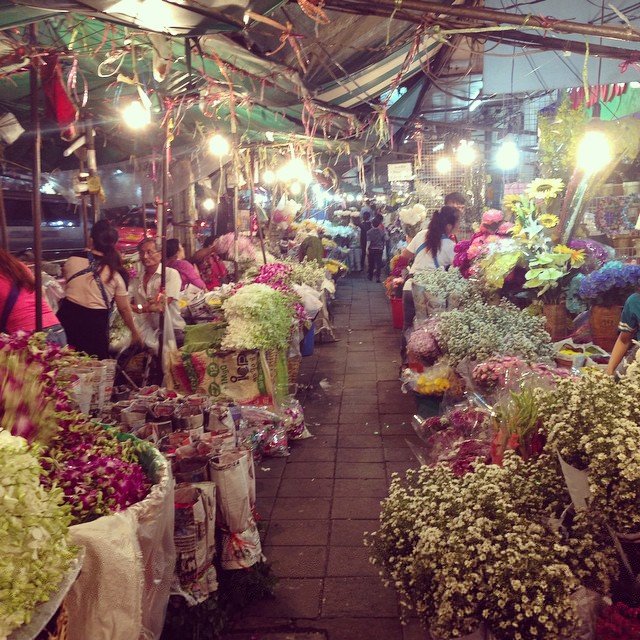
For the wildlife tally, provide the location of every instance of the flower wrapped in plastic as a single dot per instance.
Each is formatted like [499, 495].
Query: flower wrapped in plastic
[432, 381]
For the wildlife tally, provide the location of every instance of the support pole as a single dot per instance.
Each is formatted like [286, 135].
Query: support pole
[162, 224]
[252, 205]
[490, 16]
[3, 221]
[84, 213]
[35, 176]
[92, 165]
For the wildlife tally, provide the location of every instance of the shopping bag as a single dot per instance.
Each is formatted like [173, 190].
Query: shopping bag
[194, 538]
[241, 550]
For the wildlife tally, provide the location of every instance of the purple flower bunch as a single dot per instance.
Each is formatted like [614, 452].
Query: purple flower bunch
[611, 284]
[97, 473]
[423, 342]
[596, 254]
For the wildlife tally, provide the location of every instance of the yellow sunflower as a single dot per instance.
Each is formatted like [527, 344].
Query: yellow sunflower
[544, 188]
[548, 220]
[516, 230]
[511, 202]
[576, 258]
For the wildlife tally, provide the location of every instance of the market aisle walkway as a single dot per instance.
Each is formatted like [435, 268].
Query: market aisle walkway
[317, 503]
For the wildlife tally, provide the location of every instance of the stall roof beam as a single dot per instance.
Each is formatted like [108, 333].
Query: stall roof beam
[490, 16]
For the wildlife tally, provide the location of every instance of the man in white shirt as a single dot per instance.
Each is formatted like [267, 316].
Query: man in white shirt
[148, 300]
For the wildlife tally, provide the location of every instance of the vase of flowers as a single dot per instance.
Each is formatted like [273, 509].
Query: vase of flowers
[606, 290]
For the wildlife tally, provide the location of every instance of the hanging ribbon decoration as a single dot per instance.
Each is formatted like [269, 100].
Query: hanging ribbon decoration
[314, 9]
[287, 36]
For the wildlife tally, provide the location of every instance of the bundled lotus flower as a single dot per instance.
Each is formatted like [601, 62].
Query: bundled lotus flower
[34, 528]
[612, 284]
[258, 317]
[97, 473]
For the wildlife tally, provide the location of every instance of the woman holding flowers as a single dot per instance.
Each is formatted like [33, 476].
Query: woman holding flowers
[429, 249]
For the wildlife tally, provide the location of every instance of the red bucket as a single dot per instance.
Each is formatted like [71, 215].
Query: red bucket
[397, 315]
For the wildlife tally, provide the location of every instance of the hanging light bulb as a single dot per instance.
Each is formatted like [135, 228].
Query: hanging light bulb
[350, 197]
[135, 115]
[295, 169]
[268, 177]
[508, 155]
[219, 145]
[295, 188]
[594, 152]
[466, 153]
[208, 204]
[444, 165]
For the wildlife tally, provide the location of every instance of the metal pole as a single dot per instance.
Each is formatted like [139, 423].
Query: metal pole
[252, 205]
[84, 213]
[35, 185]
[491, 16]
[3, 221]
[93, 169]
[162, 222]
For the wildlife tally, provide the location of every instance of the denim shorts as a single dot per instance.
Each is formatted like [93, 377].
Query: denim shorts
[56, 335]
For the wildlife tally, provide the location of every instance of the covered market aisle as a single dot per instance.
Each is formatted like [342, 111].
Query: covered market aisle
[317, 503]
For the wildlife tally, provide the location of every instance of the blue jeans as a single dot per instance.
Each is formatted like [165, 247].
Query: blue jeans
[56, 335]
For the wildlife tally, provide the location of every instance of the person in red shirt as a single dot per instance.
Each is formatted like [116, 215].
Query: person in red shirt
[18, 301]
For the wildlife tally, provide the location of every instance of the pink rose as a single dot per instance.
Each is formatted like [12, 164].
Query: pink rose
[504, 228]
[492, 216]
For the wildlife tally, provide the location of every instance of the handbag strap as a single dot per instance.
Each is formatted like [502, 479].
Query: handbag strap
[9, 303]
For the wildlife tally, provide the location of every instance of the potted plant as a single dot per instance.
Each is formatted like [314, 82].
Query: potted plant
[606, 291]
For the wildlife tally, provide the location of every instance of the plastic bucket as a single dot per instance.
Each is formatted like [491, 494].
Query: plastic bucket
[306, 345]
[397, 314]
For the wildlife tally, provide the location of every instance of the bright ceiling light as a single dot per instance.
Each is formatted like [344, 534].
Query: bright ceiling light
[154, 15]
[135, 115]
[350, 197]
[295, 188]
[466, 153]
[268, 177]
[444, 165]
[219, 145]
[508, 155]
[208, 204]
[359, 197]
[594, 152]
[295, 169]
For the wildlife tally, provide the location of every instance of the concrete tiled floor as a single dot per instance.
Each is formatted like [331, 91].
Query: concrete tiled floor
[317, 503]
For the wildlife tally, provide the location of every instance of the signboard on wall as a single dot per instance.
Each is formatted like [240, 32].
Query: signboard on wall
[400, 172]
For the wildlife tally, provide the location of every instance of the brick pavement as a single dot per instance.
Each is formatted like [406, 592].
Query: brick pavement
[317, 503]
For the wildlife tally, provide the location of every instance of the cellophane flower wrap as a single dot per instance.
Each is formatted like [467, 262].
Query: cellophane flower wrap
[258, 317]
[97, 473]
[610, 285]
[34, 529]
[462, 550]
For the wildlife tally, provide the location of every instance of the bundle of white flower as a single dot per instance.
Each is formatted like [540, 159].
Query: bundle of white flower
[33, 534]
[481, 331]
[594, 424]
[307, 272]
[413, 216]
[480, 549]
[449, 285]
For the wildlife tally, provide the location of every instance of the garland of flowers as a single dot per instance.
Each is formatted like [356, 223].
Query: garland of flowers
[34, 525]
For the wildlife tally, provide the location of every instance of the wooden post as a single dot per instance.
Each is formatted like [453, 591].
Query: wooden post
[3, 221]
[252, 205]
[162, 226]
[36, 171]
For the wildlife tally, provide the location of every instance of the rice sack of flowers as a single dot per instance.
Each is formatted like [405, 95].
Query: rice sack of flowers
[117, 494]
[478, 551]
